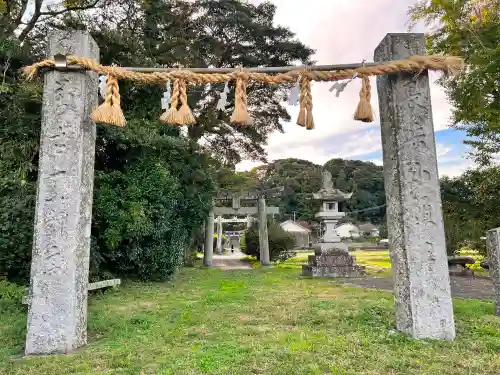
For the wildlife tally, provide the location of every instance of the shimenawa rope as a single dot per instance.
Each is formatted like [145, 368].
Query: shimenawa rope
[110, 112]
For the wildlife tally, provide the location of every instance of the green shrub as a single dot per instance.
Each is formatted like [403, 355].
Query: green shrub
[11, 292]
[280, 243]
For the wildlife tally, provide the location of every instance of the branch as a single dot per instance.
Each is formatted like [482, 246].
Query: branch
[19, 17]
[38, 13]
[32, 22]
[69, 9]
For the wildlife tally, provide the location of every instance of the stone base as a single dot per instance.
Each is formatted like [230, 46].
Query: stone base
[333, 262]
[350, 271]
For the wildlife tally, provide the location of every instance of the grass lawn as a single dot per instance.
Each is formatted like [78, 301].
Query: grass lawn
[255, 322]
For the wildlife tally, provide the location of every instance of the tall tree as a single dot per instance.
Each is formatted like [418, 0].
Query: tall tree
[471, 29]
[217, 33]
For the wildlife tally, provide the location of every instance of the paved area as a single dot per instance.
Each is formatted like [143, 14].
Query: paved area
[231, 261]
[464, 287]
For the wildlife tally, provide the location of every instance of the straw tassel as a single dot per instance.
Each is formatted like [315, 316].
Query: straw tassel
[185, 114]
[110, 111]
[305, 117]
[172, 115]
[240, 114]
[364, 111]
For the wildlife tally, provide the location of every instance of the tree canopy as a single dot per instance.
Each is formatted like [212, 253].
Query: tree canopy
[470, 29]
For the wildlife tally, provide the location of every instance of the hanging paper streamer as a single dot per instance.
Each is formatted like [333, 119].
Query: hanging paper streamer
[222, 103]
[165, 101]
[339, 87]
[102, 86]
[294, 94]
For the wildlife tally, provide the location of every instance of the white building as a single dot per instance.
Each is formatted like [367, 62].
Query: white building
[299, 230]
[347, 230]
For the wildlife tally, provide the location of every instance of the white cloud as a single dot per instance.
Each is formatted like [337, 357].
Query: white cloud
[459, 166]
[341, 32]
[442, 150]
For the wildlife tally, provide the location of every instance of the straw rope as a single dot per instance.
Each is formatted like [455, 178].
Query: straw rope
[172, 115]
[413, 64]
[110, 111]
[364, 111]
[240, 114]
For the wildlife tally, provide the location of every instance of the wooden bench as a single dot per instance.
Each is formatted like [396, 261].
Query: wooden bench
[91, 286]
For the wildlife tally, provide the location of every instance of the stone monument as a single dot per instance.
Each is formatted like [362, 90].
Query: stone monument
[331, 257]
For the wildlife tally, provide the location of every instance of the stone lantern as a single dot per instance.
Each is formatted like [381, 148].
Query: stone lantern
[331, 257]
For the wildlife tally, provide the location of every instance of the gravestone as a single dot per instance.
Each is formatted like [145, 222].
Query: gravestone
[414, 215]
[57, 314]
[331, 257]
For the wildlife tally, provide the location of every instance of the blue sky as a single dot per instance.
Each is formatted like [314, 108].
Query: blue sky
[346, 32]
[451, 151]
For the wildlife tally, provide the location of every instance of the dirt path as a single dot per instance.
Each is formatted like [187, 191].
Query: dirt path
[231, 261]
[464, 287]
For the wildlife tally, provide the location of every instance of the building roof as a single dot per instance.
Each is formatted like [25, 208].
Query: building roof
[367, 227]
[301, 226]
[353, 227]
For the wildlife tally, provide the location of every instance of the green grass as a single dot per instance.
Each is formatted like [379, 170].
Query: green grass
[255, 322]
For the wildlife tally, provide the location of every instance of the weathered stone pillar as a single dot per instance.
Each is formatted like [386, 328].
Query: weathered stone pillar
[57, 314]
[209, 239]
[414, 215]
[493, 247]
[219, 235]
[263, 238]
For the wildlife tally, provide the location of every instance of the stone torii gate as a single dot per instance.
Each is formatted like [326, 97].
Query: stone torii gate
[235, 210]
[220, 220]
[57, 314]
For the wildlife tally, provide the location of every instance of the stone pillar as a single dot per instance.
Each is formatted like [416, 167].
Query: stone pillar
[414, 214]
[493, 246]
[57, 314]
[249, 222]
[263, 239]
[209, 240]
[219, 235]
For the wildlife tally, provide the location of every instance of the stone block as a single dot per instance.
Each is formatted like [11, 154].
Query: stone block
[338, 260]
[334, 264]
[330, 248]
[345, 271]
